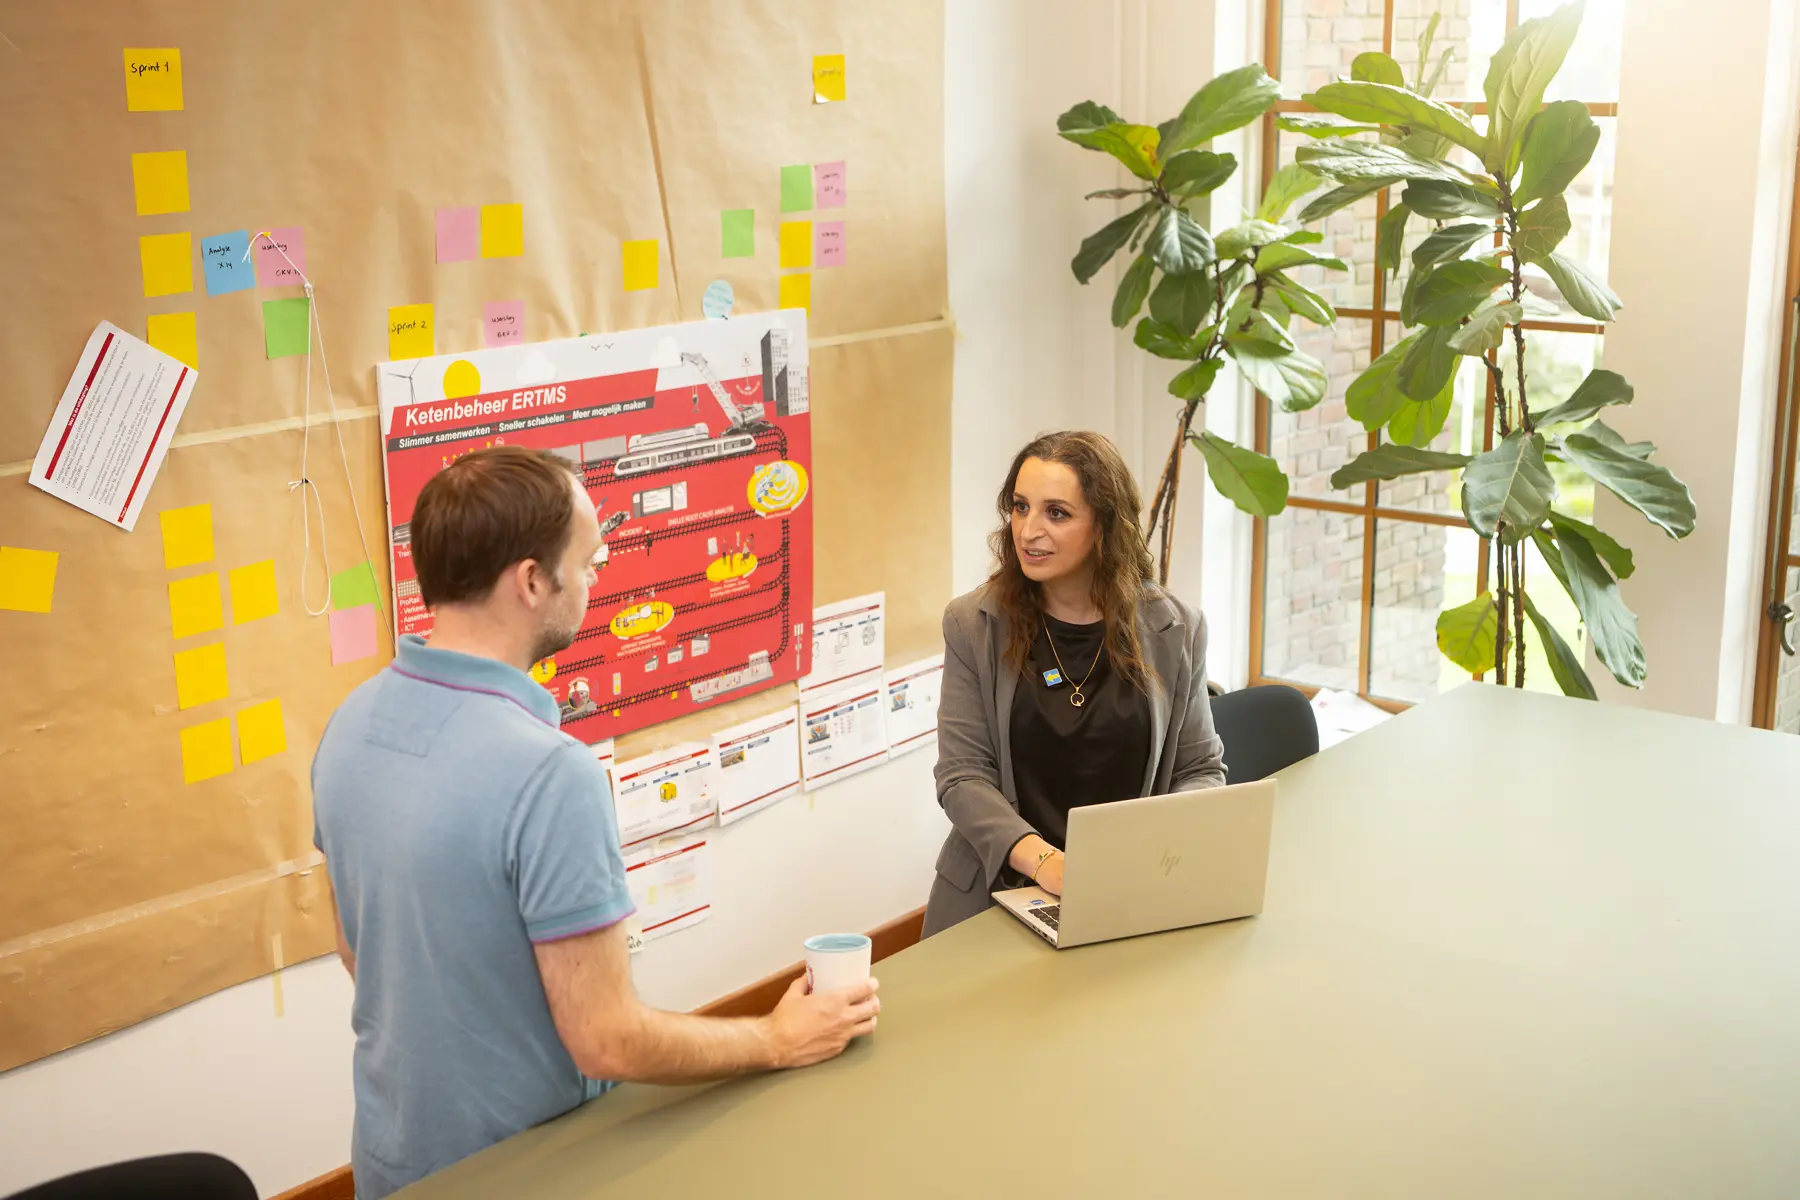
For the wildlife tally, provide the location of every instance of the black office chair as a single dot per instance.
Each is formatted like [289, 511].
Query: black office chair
[166, 1177]
[1264, 729]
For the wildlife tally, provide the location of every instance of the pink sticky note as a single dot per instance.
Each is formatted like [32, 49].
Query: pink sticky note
[458, 234]
[828, 244]
[829, 188]
[272, 268]
[503, 323]
[352, 634]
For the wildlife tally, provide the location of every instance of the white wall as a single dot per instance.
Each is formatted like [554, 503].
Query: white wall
[1704, 170]
[1034, 352]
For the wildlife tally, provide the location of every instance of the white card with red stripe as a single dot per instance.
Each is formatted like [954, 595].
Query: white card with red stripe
[113, 426]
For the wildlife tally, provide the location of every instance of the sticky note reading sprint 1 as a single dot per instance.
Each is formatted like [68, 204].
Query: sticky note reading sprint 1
[153, 80]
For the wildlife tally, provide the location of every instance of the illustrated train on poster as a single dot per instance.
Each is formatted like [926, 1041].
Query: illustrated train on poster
[694, 443]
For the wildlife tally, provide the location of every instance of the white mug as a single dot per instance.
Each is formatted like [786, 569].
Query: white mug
[836, 960]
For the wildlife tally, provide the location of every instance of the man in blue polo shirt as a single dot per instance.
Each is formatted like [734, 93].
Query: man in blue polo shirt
[474, 856]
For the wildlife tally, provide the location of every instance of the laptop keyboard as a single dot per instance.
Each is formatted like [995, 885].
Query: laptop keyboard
[1049, 914]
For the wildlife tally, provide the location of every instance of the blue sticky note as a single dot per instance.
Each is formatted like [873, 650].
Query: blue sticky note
[225, 267]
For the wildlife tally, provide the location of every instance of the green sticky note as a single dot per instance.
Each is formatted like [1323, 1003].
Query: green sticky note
[353, 588]
[286, 327]
[737, 230]
[796, 188]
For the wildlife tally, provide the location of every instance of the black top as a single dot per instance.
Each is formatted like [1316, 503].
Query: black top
[1064, 756]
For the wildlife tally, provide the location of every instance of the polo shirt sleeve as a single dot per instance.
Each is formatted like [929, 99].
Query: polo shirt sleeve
[564, 849]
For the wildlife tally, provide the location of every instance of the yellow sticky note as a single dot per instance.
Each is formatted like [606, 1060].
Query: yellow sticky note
[200, 675]
[168, 262]
[176, 335]
[409, 332]
[206, 750]
[194, 605]
[152, 80]
[187, 535]
[502, 230]
[27, 579]
[828, 78]
[160, 180]
[640, 266]
[253, 592]
[796, 244]
[796, 292]
[260, 732]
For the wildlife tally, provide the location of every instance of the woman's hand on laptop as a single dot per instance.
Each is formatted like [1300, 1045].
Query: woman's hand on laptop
[1039, 862]
[1049, 876]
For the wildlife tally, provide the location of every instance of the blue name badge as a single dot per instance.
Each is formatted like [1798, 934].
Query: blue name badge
[1053, 678]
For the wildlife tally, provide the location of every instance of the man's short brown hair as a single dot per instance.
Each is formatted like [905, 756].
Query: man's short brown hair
[483, 513]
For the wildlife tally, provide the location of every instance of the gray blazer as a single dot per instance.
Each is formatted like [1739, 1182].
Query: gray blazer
[975, 768]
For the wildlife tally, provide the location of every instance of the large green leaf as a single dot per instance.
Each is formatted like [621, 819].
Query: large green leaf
[1240, 239]
[1456, 289]
[1390, 237]
[1164, 341]
[1196, 172]
[1374, 397]
[1542, 227]
[1289, 184]
[1259, 333]
[1098, 248]
[1181, 302]
[1349, 162]
[1315, 126]
[1517, 75]
[1254, 482]
[1558, 143]
[1606, 435]
[1586, 295]
[1281, 256]
[1196, 381]
[1616, 557]
[1600, 389]
[1132, 290]
[1510, 484]
[1448, 244]
[1565, 663]
[1611, 627]
[1486, 328]
[1230, 101]
[1648, 487]
[1441, 200]
[1429, 364]
[1416, 422]
[1376, 67]
[1326, 203]
[1295, 381]
[1467, 634]
[1178, 243]
[1389, 461]
[1133, 145]
[1303, 301]
[1391, 104]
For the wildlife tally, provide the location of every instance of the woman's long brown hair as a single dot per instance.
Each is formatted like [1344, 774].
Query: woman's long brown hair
[1122, 564]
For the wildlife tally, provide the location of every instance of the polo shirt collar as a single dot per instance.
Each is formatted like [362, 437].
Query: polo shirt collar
[472, 673]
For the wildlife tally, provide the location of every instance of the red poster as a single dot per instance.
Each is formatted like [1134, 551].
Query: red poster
[694, 444]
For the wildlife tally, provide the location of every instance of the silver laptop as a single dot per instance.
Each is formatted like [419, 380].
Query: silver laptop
[1162, 862]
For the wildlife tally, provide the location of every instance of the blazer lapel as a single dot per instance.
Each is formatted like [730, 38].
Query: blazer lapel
[1006, 683]
[1160, 633]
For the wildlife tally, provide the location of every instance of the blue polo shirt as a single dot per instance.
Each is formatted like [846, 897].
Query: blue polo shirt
[460, 826]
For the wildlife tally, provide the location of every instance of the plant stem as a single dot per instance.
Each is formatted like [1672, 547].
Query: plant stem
[1519, 614]
[1518, 292]
[1500, 594]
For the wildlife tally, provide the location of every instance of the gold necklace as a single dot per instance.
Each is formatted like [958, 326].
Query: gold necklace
[1075, 697]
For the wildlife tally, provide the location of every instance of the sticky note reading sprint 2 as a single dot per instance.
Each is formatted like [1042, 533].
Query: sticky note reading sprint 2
[409, 332]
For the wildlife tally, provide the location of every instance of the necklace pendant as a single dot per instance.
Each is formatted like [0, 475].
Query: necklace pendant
[1077, 699]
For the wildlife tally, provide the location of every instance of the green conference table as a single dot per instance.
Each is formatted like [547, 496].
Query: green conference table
[1578, 977]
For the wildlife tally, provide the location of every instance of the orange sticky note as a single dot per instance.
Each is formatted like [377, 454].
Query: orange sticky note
[27, 579]
[640, 266]
[176, 335]
[796, 244]
[194, 606]
[828, 78]
[187, 535]
[253, 592]
[200, 675]
[502, 230]
[160, 180]
[206, 750]
[153, 80]
[260, 731]
[796, 292]
[409, 332]
[168, 262]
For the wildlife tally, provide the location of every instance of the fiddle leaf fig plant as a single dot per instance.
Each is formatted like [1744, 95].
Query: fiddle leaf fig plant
[1492, 196]
[1200, 296]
